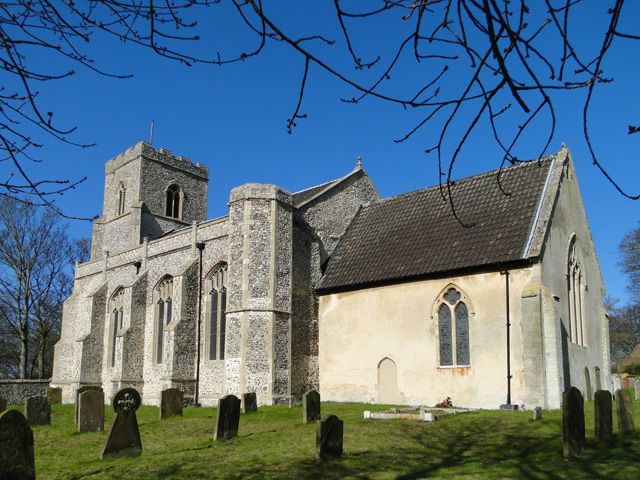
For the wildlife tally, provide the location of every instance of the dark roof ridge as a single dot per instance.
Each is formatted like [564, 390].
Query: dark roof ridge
[325, 187]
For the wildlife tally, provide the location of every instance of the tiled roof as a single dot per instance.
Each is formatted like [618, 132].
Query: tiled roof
[304, 195]
[415, 235]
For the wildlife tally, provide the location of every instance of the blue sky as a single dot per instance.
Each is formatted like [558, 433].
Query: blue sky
[233, 119]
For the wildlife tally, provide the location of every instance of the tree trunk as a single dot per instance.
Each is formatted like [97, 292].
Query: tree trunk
[24, 351]
[41, 357]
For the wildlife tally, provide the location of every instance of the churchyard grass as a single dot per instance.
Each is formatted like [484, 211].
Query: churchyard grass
[274, 443]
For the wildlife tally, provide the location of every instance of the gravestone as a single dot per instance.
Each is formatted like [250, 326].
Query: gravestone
[249, 402]
[329, 436]
[17, 460]
[228, 417]
[124, 436]
[602, 408]
[91, 411]
[572, 422]
[310, 406]
[537, 413]
[38, 410]
[84, 388]
[637, 389]
[3, 404]
[54, 394]
[171, 403]
[625, 411]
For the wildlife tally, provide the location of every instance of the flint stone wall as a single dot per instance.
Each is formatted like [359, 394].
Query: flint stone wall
[16, 391]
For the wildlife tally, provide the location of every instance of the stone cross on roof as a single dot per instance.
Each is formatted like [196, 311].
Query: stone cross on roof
[359, 161]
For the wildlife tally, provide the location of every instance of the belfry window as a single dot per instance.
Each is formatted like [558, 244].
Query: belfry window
[174, 199]
[576, 286]
[117, 320]
[163, 312]
[216, 302]
[453, 329]
[122, 197]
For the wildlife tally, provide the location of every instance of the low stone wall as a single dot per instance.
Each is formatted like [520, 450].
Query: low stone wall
[16, 391]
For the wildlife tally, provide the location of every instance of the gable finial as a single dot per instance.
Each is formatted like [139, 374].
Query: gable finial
[359, 161]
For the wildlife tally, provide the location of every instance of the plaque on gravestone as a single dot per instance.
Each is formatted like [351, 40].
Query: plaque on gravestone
[310, 406]
[602, 408]
[572, 422]
[91, 411]
[38, 410]
[17, 460]
[329, 437]
[3, 404]
[625, 411]
[84, 388]
[124, 436]
[249, 402]
[171, 403]
[54, 394]
[228, 417]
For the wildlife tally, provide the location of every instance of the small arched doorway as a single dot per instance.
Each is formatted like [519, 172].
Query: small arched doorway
[388, 381]
[587, 385]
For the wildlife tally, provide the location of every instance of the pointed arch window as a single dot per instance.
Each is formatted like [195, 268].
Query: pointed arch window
[122, 198]
[216, 302]
[163, 313]
[174, 202]
[116, 307]
[576, 286]
[453, 329]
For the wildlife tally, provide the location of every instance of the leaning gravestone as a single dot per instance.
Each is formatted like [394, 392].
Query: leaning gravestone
[625, 411]
[16, 447]
[91, 411]
[310, 406]
[329, 436]
[54, 394]
[249, 402]
[3, 404]
[572, 422]
[603, 417]
[124, 436]
[171, 402]
[537, 413]
[228, 417]
[84, 388]
[38, 410]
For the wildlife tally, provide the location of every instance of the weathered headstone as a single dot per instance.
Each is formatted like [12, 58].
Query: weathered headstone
[91, 411]
[3, 404]
[637, 388]
[54, 394]
[625, 411]
[537, 413]
[171, 403]
[84, 388]
[310, 406]
[124, 436]
[249, 402]
[38, 410]
[16, 447]
[602, 404]
[228, 417]
[329, 436]
[572, 422]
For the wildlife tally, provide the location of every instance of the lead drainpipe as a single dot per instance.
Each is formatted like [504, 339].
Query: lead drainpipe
[200, 247]
[506, 279]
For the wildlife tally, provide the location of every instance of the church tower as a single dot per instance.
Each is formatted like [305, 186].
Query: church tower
[147, 193]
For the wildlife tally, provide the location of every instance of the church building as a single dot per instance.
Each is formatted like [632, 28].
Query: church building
[364, 299]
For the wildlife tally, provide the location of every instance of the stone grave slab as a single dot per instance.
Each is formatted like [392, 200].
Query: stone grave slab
[91, 411]
[124, 436]
[249, 402]
[171, 403]
[310, 406]
[329, 437]
[624, 405]
[84, 388]
[602, 408]
[38, 410]
[17, 459]
[572, 422]
[54, 394]
[228, 417]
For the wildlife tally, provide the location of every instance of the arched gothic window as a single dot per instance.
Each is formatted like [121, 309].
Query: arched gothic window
[116, 307]
[174, 198]
[576, 286]
[453, 329]
[163, 304]
[216, 311]
[122, 196]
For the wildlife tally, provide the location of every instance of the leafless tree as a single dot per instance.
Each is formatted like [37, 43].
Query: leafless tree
[630, 262]
[35, 254]
[457, 64]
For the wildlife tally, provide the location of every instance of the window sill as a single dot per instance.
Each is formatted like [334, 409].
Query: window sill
[451, 367]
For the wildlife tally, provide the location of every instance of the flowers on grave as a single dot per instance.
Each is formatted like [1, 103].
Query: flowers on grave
[446, 403]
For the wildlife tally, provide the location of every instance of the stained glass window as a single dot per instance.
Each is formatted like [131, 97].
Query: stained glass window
[217, 307]
[444, 328]
[453, 319]
[462, 334]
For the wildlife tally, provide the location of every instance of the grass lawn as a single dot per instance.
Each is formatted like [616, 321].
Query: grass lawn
[273, 443]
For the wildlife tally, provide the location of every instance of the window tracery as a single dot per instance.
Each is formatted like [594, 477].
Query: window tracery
[163, 313]
[216, 310]
[453, 329]
[174, 199]
[116, 308]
